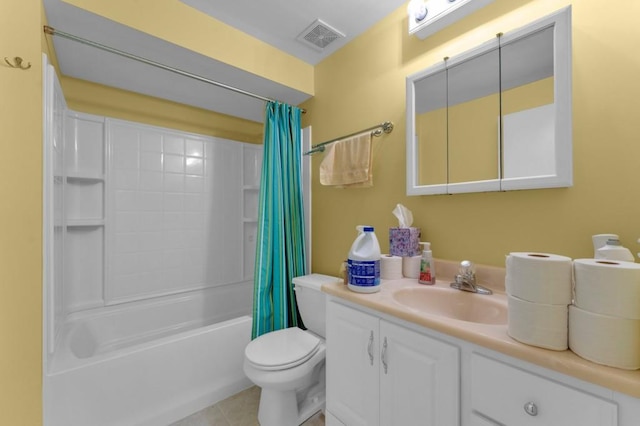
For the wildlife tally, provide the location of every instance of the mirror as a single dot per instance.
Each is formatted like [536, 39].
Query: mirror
[527, 106]
[431, 130]
[497, 117]
[473, 127]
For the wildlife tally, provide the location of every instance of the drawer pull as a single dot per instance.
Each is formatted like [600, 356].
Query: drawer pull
[370, 347]
[531, 409]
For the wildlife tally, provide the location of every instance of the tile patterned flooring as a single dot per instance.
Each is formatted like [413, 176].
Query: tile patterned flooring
[240, 409]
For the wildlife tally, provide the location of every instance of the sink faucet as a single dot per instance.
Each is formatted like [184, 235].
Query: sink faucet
[466, 279]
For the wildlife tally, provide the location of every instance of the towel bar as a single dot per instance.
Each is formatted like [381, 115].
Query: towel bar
[386, 127]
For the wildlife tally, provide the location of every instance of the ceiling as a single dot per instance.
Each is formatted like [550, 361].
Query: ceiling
[277, 22]
[280, 22]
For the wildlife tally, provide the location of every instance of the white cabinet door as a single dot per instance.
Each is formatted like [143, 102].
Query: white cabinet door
[419, 382]
[628, 409]
[352, 365]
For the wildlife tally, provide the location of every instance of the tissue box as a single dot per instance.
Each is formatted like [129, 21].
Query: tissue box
[404, 241]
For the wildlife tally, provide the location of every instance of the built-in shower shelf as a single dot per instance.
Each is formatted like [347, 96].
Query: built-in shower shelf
[79, 223]
[85, 178]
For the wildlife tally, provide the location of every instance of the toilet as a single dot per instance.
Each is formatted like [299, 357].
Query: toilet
[289, 364]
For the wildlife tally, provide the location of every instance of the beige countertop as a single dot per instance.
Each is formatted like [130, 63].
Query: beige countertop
[490, 336]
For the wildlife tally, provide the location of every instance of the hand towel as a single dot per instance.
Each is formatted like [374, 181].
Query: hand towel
[348, 162]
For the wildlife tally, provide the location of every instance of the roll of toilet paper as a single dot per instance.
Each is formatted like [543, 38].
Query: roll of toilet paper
[539, 277]
[608, 287]
[411, 266]
[390, 267]
[538, 324]
[605, 339]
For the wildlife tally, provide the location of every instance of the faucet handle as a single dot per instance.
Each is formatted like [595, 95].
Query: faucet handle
[466, 268]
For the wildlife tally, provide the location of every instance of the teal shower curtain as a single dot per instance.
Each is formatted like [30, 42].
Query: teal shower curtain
[280, 247]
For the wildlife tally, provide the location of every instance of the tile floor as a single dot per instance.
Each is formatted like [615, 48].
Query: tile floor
[240, 409]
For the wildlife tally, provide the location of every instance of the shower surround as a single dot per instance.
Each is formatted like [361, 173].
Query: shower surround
[149, 250]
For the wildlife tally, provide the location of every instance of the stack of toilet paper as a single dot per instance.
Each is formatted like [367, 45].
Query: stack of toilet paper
[604, 321]
[539, 291]
[396, 267]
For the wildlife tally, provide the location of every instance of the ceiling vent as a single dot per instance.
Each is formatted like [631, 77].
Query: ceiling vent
[319, 35]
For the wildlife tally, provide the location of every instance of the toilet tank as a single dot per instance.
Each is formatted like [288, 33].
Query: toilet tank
[312, 301]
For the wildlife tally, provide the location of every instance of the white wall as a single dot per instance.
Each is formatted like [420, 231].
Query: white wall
[152, 211]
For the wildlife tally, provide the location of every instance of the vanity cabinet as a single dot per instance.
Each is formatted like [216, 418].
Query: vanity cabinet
[382, 373]
[385, 371]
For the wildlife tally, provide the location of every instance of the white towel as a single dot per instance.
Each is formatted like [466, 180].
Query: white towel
[347, 163]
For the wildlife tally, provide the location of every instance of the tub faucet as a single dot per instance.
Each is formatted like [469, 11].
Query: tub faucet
[466, 279]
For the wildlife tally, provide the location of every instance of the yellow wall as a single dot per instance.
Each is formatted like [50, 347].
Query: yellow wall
[20, 215]
[92, 98]
[185, 26]
[473, 139]
[364, 83]
[431, 131]
[530, 95]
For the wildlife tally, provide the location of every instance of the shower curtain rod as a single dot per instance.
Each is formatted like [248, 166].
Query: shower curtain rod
[386, 127]
[52, 31]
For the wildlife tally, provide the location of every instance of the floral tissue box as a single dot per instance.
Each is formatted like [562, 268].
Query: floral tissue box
[404, 241]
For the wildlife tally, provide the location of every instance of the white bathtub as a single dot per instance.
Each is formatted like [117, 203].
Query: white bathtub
[148, 363]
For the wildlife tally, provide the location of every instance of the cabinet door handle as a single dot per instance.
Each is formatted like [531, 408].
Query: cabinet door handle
[383, 357]
[370, 347]
[531, 409]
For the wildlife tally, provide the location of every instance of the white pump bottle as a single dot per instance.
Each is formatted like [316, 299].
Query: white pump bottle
[427, 266]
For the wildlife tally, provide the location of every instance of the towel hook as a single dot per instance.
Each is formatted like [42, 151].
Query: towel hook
[17, 63]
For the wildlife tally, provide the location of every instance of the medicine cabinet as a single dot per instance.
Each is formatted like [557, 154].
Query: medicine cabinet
[495, 118]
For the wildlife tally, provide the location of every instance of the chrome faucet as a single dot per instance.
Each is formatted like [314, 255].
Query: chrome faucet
[466, 279]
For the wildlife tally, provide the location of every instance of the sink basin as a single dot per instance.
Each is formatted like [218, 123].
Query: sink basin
[454, 304]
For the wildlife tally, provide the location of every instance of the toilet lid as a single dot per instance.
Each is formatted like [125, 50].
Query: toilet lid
[282, 349]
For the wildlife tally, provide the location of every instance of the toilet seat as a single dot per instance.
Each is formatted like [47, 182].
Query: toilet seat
[282, 349]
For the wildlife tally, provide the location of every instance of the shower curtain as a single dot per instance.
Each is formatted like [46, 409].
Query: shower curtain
[280, 249]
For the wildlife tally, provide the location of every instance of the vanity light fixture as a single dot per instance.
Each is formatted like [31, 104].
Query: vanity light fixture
[417, 11]
[429, 16]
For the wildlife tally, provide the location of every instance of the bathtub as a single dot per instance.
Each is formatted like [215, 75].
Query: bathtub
[148, 363]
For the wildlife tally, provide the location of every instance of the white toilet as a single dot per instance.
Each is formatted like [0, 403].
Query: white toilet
[289, 364]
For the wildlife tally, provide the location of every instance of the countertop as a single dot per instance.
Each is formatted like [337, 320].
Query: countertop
[491, 336]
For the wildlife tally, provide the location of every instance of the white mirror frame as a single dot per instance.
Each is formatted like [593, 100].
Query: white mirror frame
[413, 168]
[563, 132]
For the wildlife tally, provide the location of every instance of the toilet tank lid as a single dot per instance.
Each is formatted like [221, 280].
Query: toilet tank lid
[315, 281]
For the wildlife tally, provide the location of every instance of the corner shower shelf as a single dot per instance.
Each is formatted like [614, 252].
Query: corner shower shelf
[85, 178]
[76, 223]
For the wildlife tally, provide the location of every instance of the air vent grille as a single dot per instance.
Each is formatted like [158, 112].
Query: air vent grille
[319, 35]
